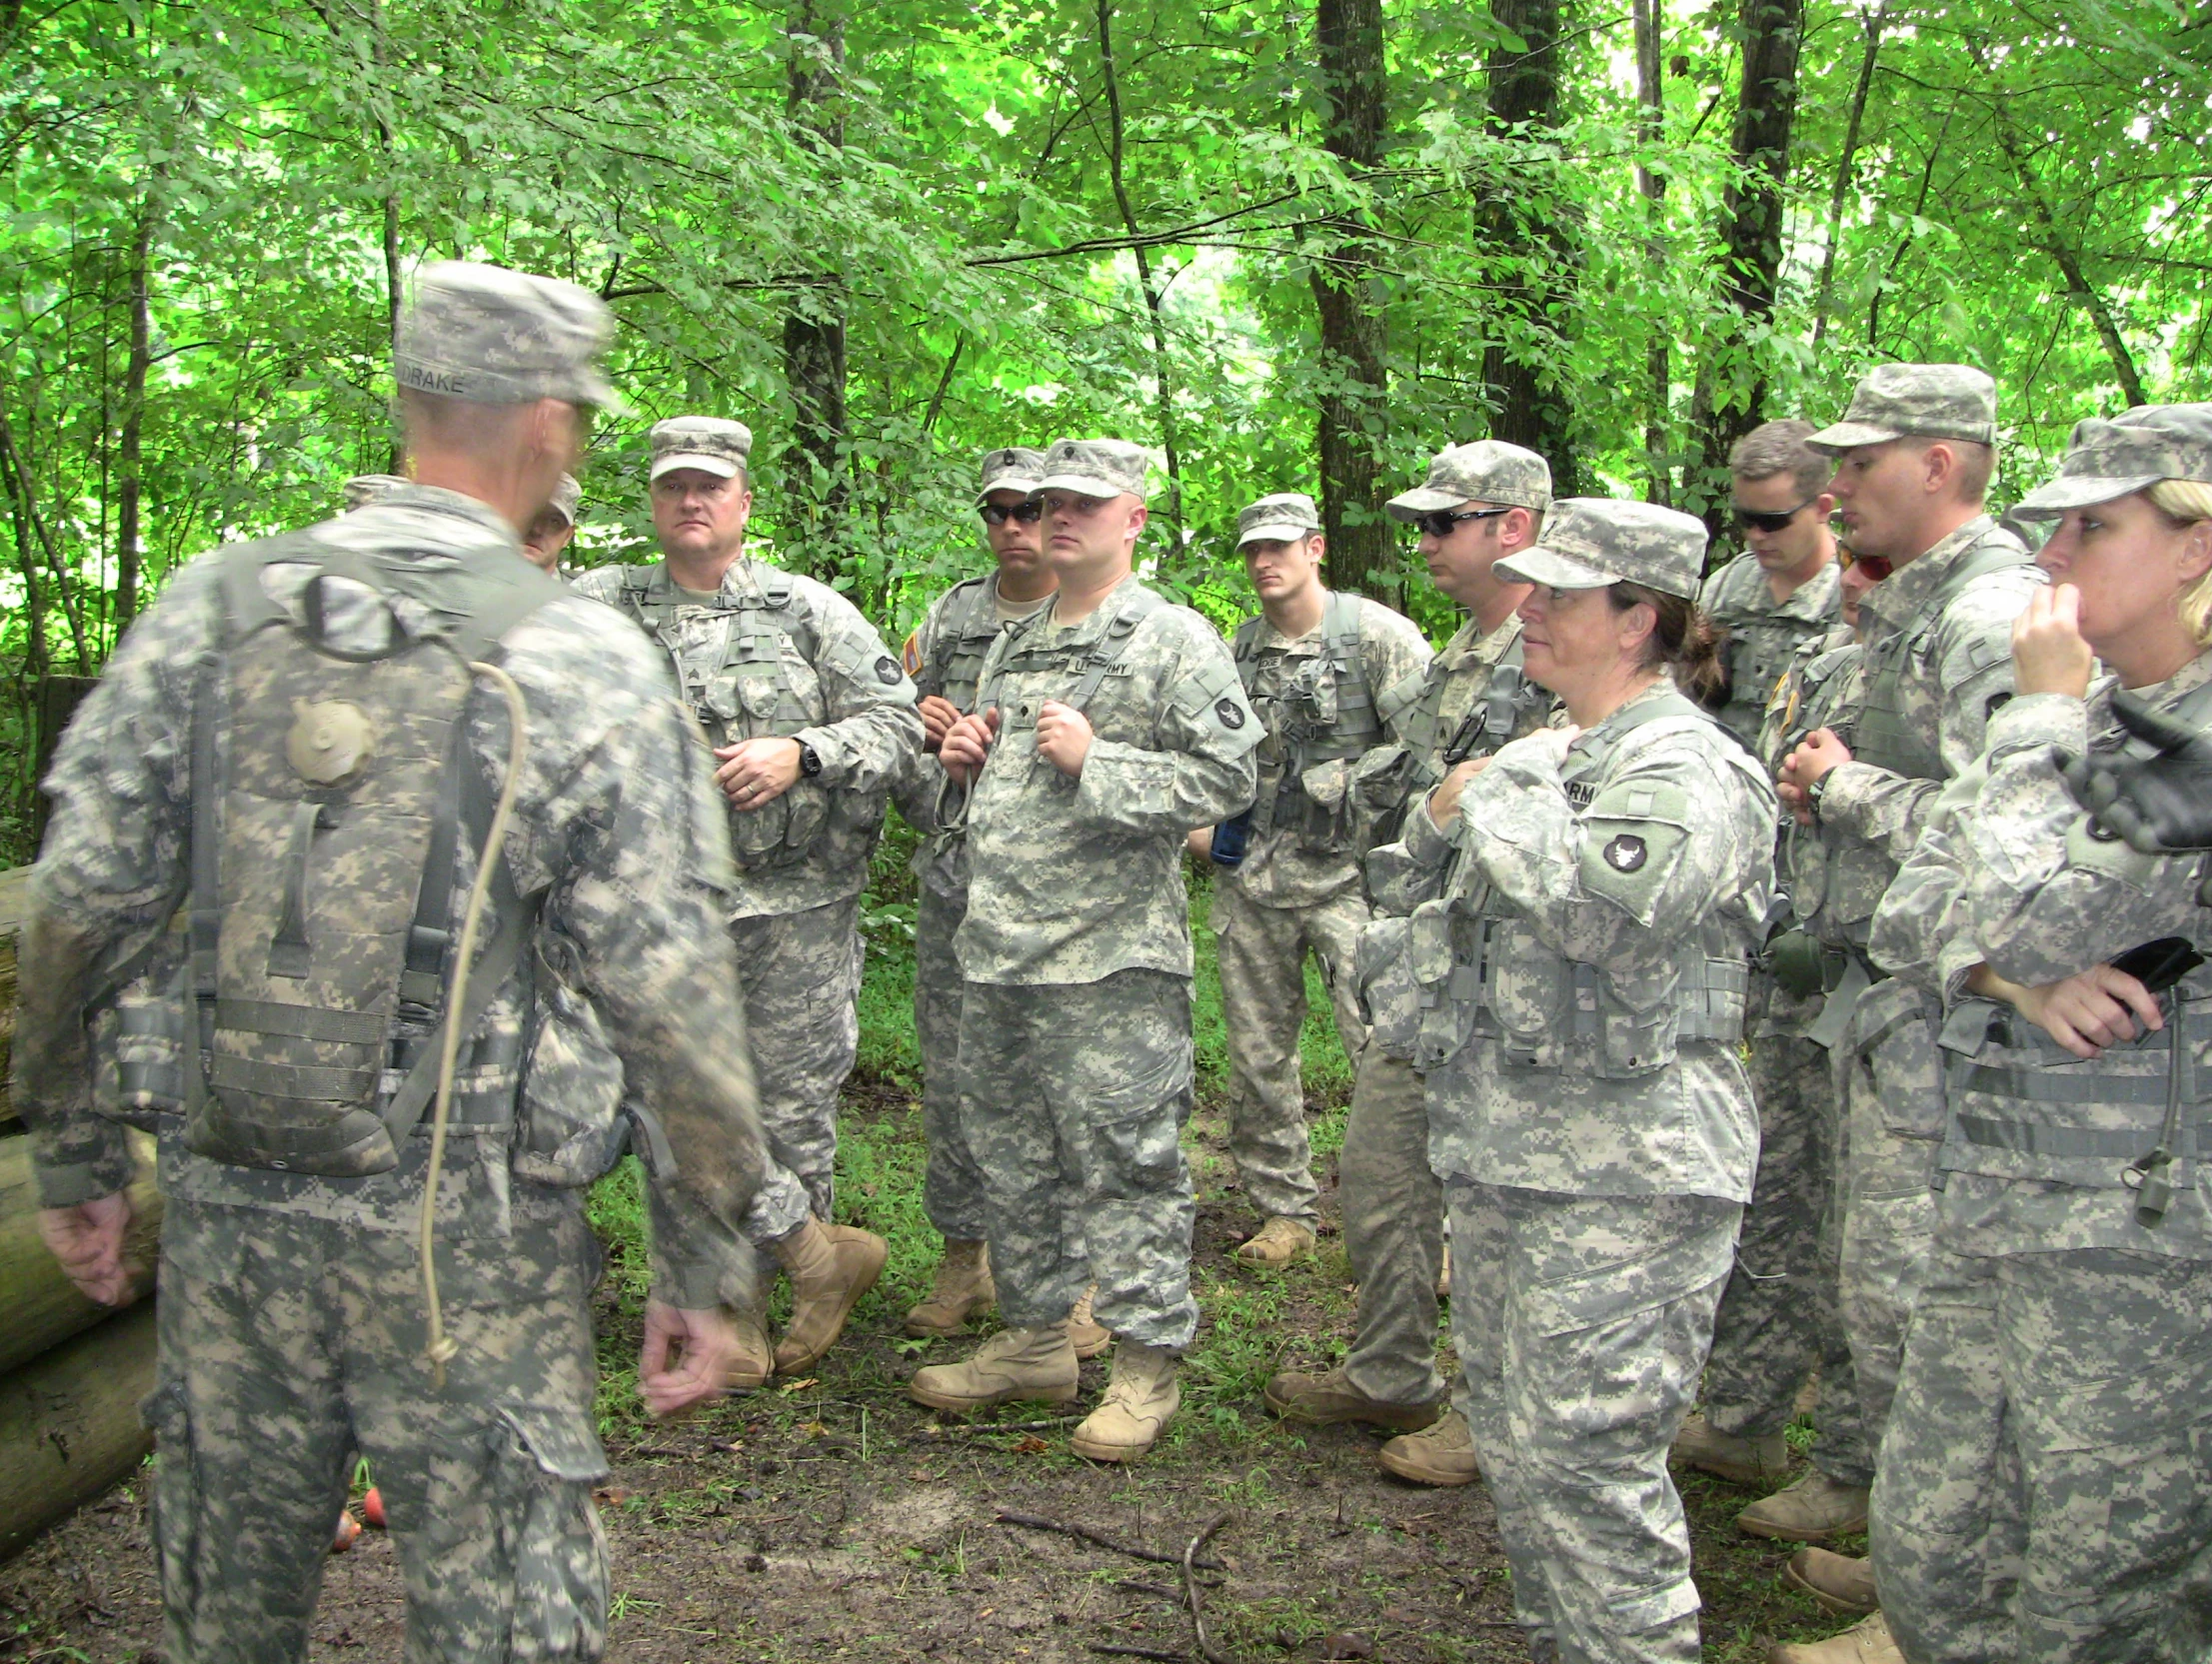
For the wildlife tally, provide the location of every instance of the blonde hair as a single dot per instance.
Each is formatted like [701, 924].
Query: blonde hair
[2183, 503]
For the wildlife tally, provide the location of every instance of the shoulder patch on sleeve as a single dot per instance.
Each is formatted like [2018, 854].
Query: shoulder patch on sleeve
[1634, 834]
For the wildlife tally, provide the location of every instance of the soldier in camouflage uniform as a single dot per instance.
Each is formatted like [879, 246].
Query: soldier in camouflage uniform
[1480, 503]
[1315, 664]
[810, 721]
[945, 656]
[1107, 727]
[1571, 981]
[1913, 457]
[295, 1330]
[554, 525]
[1778, 1318]
[2042, 1492]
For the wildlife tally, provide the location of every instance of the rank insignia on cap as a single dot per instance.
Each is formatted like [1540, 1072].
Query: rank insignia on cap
[1231, 712]
[888, 670]
[1625, 853]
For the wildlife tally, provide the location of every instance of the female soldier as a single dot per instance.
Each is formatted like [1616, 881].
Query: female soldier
[1585, 956]
[2042, 1492]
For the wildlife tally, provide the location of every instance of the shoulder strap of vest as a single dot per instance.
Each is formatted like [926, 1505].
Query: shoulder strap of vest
[1994, 554]
[1136, 607]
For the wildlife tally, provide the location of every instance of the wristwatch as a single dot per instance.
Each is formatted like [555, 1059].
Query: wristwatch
[809, 760]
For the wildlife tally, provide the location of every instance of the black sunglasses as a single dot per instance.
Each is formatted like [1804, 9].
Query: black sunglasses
[1028, 514]
[1437, 523]
[1755, 520]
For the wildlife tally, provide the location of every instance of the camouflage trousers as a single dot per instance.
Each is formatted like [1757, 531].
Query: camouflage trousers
[1780, 1318]
[1263, 961]
[1581, 1324]
[1893, 1127]
[289, 1345]
[1394, 1231]
[2046, 1486]
[1074, 1099]
[800, 977]
[952, 1188]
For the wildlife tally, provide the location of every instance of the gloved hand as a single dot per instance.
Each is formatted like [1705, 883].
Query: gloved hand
[2161, 804]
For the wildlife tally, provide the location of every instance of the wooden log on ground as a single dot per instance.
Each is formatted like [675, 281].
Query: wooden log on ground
[15, 895]
[69, 1424]
[39, 1307]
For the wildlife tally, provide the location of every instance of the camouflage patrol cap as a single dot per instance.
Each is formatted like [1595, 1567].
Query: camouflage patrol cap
[1591, 542]
[1915, 401]
[1095, 467]
[1283, 518]
[565, 496]
[1488, 471]
[494, 336]
[707, 443]
[364, 489]
[2130, 453]
[1010, 468]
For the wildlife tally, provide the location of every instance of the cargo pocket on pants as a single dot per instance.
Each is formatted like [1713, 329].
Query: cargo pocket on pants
[1136, 1134]
[176, 1496]
[560, 1551]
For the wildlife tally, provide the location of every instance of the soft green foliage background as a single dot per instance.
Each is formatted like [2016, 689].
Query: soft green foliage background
[966, 231]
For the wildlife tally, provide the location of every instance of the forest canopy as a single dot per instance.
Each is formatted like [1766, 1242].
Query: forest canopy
[1290, 248]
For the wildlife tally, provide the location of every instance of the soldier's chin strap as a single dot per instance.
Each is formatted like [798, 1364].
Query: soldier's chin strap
[442, 1347]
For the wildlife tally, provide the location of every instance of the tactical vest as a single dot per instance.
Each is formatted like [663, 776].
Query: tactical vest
[1326, 714]
[2022, 1107]
[1390, 778]
[745, 693]
[331, 789]
[1886, 739]
[1760, 648]
[1468, 966]
[957, 653]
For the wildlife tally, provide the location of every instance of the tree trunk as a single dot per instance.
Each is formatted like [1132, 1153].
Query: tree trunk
[43, 1307]
[1534, 281]
[380, 51]
[1154, 307]
[1658, 444]
[69, 1424]
[817, 480]
[1731, 389]
[1875, 24]
[18, 481]
[131, 483]
[1355, 401]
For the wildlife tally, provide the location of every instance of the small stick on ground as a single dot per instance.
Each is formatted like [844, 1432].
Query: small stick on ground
[1138, 1652]
[1206, 1649]
[1037, 1522]
[957, 1429]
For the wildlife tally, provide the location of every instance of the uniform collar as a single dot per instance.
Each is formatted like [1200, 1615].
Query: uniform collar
[1267, 636]
[1898, 597]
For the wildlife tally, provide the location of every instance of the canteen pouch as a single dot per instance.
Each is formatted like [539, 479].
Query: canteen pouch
[1376, 787]
[1797, 962]
[1440, 952]
[782, 833]
[138, 1051]
[1531, 995]
[545, 1462]
[1895, 1038]
[573, 1129]
[1326, 789]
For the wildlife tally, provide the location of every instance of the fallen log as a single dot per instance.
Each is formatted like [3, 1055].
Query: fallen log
[15, 894]
[38, 1305]
[69, 1424]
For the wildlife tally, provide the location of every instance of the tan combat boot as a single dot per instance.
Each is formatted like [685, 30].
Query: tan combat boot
[1025, 1364]
[1277, 1242]
[1810, 1511]
[1443, 1274]
[1441, 1453]
[1327, 1397]
[1139, 1401]
[831, 1267]
[963, 1290]
[1747, 1461]
[1085, 1334]
[1864, 1643]
[1839, 1583]
[756, 1359]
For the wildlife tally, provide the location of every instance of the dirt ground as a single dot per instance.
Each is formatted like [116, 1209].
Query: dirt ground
[833, 1518]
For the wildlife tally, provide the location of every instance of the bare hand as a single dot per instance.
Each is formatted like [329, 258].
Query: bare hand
[1795, 801]
[88, 1241]
[688, 1357]
[938, 717]
[1443, 803]
[754, 772]
[2084, 1013]
[2048, 653]
[1201, 843]
[1063, 737]
[1820, 751]
[967, 743]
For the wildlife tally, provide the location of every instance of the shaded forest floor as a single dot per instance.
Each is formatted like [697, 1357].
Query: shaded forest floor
[833, 1517]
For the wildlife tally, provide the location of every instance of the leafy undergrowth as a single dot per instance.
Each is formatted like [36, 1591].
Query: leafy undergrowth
[831, 1518]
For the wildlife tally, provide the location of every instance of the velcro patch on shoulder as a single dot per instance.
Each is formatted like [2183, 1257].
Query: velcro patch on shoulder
[1634, 834]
